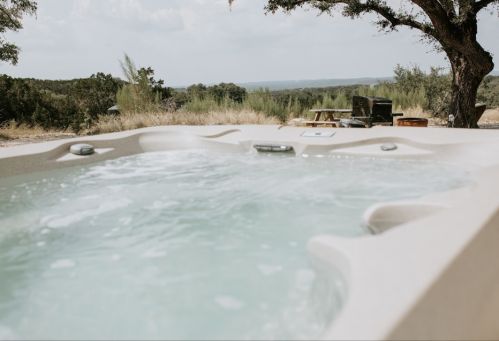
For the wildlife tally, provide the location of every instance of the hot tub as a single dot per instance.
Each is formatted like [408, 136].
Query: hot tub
[409, 265]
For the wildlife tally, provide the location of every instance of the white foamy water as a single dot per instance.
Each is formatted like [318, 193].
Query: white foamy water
[188, 244]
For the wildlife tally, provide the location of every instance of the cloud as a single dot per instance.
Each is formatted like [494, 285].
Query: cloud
[192, 41]
[128, 14]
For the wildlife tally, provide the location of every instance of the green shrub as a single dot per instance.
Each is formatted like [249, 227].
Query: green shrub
[26, 104]
[137, 95]
[432, 90]
[94, 95]
[199, 105]
[488, 92]
[230, 90]
[400, 98]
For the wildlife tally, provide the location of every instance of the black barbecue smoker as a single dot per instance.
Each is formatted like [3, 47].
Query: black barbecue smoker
[373, 110]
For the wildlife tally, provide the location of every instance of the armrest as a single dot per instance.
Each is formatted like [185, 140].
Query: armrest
[397, 114]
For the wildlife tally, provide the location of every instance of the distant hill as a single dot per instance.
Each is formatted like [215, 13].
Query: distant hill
[494, 73]
[307, 83]
[317, 83]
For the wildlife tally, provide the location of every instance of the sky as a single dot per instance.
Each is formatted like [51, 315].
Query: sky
[204, 41]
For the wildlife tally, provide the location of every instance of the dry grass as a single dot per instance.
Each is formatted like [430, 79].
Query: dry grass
[13, 134]
[111, 124]
[13, 131]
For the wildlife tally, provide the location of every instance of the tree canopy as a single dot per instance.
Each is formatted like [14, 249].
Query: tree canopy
[11, 13]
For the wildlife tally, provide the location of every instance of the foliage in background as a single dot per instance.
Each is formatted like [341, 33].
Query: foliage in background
[137, 94]
[436, 86]
[488, 92]
[115, 123]
[309, 97]
[217, 92]
[400, 98]
[25, 103]
[93, 96]
[413, 87]
[259, 101]
[264, 101]
[82, 104]
[59, 87]
[17, 99]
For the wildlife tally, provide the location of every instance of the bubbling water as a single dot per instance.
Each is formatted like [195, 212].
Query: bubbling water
[188, 244]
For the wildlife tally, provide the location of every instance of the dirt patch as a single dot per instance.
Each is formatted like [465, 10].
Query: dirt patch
[490, 119]
[5, 141]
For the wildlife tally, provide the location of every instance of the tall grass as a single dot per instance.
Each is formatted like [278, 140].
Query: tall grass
[137, 94]
[12, 130]
[258, 101]
[111, 124]
[401, 99]
[261, 101]
[341, 101]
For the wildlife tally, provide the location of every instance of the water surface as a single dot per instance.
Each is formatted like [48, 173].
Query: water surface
[188, 244]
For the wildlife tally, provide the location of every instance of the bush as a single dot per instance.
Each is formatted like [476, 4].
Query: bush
[434, 87]
[259, 101]
[400, 98]
[93, 96]
[24, 103]
[197, 90]
[230, 90]
[137, 95]
[488, 92]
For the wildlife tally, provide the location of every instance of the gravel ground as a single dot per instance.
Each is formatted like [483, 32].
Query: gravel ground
[489, 126]
[36, 139]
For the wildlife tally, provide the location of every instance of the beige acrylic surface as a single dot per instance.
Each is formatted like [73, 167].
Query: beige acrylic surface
[431, 271]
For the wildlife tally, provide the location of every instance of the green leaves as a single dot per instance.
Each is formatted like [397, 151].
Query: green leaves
[94, 95]
[23, 101]
[11, 13]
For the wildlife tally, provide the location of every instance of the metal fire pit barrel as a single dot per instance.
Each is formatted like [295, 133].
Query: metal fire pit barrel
[412, 122]
[372, 110]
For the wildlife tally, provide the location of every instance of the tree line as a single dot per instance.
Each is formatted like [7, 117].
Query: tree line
[78, 103]
[25, 102]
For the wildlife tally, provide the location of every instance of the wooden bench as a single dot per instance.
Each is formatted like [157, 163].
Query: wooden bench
[329, 113]
[329, 117]
[335, 122]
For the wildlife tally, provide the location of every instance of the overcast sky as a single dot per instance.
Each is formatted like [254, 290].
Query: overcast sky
[202, 41]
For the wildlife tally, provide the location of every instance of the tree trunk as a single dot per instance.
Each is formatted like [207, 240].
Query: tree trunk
[466, 80]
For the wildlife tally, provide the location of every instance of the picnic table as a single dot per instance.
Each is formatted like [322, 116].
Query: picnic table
[329, 117]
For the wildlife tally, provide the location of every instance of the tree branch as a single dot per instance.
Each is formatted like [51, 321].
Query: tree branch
[448, 5]
[392, 19]
[16, 25]
[479, 5]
